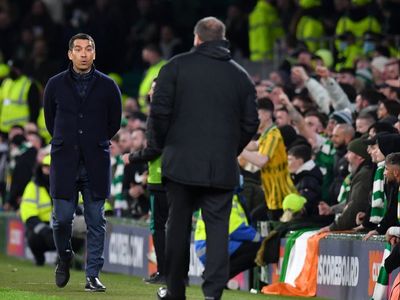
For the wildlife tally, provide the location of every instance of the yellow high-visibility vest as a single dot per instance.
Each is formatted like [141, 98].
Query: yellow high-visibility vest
[41, 123]
[14, 108]
[145, 85]
[310, 30]
[236, 218]
[36, 202]
[264, 30]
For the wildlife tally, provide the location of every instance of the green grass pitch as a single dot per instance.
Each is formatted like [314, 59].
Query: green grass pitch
[21, 279]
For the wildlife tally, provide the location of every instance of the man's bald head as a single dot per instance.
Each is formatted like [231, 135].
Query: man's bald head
[342, 134]
[209, 29]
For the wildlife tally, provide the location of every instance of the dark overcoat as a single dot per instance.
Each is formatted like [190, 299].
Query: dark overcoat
[81, 129]
[203, 113]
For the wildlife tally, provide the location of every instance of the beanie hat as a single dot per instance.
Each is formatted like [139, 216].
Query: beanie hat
[342, 117]
[359, 147]
[389, 143]
[294, 202]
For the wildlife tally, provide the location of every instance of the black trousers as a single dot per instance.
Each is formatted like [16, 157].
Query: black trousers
[243, 258]
[40, 243]
[159, 216]
[262, 213]
[216, 206]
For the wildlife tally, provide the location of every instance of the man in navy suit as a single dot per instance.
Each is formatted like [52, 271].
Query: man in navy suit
[83, 112]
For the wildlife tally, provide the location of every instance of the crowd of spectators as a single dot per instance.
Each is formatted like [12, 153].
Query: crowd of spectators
[145, 33]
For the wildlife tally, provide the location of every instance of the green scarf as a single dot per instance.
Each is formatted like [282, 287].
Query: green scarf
[379, 202]
[324, 160]
[344, 189]
[381, 284]
[116, 184]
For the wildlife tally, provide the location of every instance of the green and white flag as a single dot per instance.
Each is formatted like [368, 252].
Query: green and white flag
[381, 285]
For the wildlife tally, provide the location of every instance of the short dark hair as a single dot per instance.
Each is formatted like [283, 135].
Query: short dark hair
[17, 126]
[265, 104]
[372, 96]
[323, 118]
[366, 116]
[282, 109]
[80, 36]
[210, 29]
[393, 159]
[350, 71]
[301, 151]
[392, 107]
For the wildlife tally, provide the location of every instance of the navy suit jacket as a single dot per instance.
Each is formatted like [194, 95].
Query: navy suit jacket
[81, 128]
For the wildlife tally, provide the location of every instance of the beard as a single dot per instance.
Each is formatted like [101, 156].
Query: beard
[352, 169]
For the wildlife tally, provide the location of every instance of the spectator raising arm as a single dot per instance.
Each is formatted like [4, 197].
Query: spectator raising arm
[299, 122]
[338, 97]
[317, 92]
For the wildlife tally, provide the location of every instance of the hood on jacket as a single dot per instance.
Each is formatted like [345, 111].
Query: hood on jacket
[309, 169]
[214, 49]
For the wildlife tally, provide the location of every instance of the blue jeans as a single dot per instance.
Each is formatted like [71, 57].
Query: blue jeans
[63, 214]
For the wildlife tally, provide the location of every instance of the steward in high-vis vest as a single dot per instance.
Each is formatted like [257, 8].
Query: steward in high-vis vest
[356, 21]
[264, 30]
[35, 211]
[19, 99]
[244, 240]
[151, 54]
[41, 124]
[120, 82]
[310, 28]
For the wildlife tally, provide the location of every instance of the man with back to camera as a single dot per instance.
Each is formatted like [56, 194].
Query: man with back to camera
[83, 112]
[202, 115]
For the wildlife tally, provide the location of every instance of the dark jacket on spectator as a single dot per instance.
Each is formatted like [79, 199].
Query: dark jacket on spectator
[340, 171]
[390, 218]
[308, 183]
[21, 175]
[358, 198]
